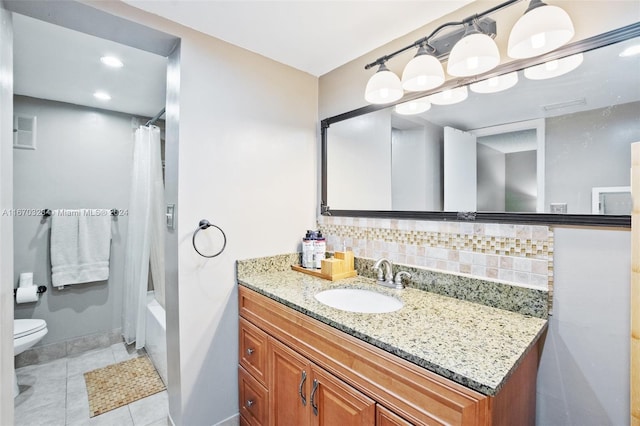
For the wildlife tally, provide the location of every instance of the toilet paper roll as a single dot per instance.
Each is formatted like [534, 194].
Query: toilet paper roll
[27, 294]
[26, 279]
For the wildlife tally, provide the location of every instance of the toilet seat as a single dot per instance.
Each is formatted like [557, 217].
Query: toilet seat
[25, 327]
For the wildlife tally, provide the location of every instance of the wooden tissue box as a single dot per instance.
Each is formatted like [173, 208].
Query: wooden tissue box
[339, 267]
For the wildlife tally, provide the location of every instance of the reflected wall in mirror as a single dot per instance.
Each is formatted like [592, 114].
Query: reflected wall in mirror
[542, 145]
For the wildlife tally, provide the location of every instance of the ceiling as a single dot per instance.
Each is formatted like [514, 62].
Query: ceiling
[311, 35]
[56, 63]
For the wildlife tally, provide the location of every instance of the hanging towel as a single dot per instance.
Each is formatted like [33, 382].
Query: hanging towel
[80, 246]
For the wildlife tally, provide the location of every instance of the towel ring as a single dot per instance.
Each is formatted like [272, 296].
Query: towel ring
[204, 224]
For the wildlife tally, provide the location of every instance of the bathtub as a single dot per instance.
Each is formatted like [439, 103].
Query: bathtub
[156, 336]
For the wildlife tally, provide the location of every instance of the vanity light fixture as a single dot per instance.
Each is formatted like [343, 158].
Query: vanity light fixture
[495, 84]
[423, 72]
[470, 49]
[450, 96]
[417, 106]
[474, 54]
[111, 61]
[541, 29]
[383, 87]
[554, 68]
[103, 96]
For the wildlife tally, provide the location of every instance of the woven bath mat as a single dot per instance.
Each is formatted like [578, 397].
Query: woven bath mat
[121, 384]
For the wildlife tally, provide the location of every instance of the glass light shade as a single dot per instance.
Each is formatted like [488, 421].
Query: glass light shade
[416, 106]
[450, 96]
[540, 30]
[383, 87]
[474, 54]
[495, 84]
[423, 72]
[554, 68]
[630, 51]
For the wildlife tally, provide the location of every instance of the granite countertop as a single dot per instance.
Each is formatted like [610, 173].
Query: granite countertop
[472, 344]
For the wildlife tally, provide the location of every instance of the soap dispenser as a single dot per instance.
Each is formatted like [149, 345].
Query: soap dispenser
[308, 250]
[319, 250]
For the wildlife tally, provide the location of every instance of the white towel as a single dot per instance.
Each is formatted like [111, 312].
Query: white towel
[80, 246]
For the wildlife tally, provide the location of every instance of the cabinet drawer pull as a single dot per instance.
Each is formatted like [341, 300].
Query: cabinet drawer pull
[302, 396]
[250, 351]
[314, 404]
[249, 403]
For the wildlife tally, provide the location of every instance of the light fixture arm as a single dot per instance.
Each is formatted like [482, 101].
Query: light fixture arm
[534, 4]
[473, 20]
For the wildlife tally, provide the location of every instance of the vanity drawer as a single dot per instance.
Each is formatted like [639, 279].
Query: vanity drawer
[254, 399]
[253, 350]
[386, 417]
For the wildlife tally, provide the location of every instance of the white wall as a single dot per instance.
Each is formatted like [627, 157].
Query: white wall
[521, 181]
[248, 162]
[416, 160]
[599, 141]
[360, 157]
[6, 223]
[584, 370]
[491, 179]
[409, 174]
[83, 160]
[460, 171]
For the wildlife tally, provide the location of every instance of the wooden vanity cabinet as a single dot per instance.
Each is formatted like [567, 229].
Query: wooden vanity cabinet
[305, 394]
[254, 399]
[386, 417]
[356, 383]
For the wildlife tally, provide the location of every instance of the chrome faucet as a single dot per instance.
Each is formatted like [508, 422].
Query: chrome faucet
[384, 268]
[385, 274]
[398, 278]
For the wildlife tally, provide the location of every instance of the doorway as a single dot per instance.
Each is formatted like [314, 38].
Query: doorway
[511, 167]
[71, 15]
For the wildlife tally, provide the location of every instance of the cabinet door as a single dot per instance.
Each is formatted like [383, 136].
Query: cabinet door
[288, 385]
[385, 417]
[333, 402]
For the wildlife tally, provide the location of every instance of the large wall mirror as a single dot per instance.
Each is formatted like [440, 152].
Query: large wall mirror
[549, 149]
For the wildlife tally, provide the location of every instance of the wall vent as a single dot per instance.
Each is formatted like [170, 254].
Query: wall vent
[24, 131]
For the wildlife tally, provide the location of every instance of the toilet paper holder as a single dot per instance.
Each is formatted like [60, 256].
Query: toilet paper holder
[41, 289]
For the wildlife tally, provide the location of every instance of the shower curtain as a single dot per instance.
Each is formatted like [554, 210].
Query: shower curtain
[145, 234]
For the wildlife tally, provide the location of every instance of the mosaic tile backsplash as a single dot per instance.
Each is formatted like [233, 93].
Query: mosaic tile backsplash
[517, 254]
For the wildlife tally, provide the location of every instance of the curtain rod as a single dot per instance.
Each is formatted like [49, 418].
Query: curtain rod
[155, 117]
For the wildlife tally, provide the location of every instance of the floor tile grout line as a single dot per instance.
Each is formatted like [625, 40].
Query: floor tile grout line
[114, 360]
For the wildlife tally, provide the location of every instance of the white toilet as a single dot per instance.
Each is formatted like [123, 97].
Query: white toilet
[26, 333]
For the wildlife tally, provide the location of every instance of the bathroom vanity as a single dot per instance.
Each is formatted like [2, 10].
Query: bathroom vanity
[436, 360]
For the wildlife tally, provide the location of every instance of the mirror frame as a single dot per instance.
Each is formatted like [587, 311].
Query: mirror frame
[591, 43]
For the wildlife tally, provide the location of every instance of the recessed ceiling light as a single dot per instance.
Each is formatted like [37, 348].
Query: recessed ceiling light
[111, 61]
[630, 51]
[103, 96]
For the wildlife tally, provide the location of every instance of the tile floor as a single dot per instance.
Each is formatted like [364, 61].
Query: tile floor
[54, 393]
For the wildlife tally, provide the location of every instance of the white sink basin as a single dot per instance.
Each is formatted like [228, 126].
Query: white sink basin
[358, 300]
